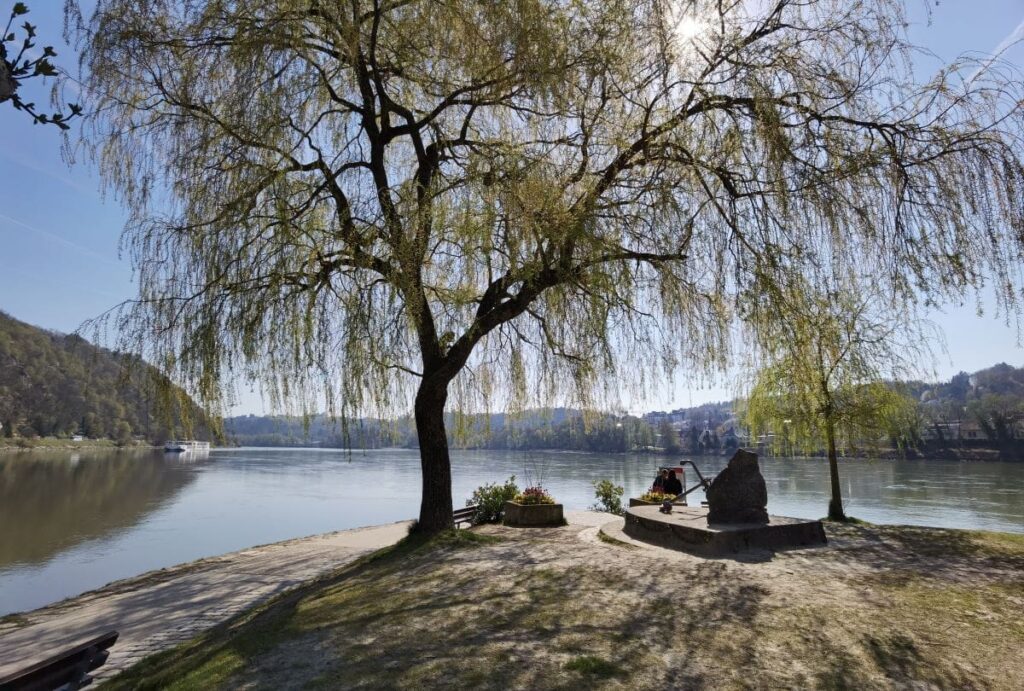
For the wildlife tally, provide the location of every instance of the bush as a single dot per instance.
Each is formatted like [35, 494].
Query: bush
[490, 500]
[534, 495]
[657, 497]
[609, 497]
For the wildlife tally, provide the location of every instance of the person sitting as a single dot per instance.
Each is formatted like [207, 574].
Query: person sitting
[672, 484]
[659, 481]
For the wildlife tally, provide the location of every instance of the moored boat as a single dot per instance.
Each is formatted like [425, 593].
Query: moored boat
[186, 445]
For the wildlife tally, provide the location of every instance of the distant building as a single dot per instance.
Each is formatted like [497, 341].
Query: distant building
[972, 430]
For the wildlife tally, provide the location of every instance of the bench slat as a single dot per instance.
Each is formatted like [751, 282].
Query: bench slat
[464, 515]
[70, 666]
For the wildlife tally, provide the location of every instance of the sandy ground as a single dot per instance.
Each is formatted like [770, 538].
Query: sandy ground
[160, 609]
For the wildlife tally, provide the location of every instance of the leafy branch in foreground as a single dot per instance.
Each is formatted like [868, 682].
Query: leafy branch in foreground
[18, 65]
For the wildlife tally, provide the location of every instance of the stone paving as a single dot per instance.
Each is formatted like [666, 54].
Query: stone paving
[160, 609]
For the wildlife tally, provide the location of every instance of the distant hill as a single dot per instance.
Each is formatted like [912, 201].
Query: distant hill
[979, 408]
[315, 431]
[548, 428]
[963, 388]
[54, 384]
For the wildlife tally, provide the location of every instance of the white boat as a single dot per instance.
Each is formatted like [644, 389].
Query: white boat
[187, 446]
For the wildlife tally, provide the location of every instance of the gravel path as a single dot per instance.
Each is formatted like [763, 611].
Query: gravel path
[158, 610]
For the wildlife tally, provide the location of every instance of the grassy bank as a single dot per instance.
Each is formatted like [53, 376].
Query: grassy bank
[880, 607]
[52, 443]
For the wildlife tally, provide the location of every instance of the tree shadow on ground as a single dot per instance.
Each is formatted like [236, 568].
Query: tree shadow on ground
[900, 660]
[536, 611]
[953, 555]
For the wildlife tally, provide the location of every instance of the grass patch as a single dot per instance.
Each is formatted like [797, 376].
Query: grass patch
[462, 538]
[23, 443]
[16, 620]
[999, 544]
[594, 666]
[849, 520]
[603, 537]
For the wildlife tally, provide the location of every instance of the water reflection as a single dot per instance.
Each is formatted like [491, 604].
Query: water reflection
[51, 501]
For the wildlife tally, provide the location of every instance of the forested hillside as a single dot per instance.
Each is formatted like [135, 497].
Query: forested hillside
[992, 399]
[553, 428]
[54, 384]
[981, 409]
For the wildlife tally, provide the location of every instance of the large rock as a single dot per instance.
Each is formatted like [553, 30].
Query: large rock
[738, 494]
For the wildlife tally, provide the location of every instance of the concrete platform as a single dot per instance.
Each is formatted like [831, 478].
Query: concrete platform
[687, 529]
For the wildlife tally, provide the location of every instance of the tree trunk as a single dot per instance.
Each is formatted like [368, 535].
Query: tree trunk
[435, 464]
[835, 505]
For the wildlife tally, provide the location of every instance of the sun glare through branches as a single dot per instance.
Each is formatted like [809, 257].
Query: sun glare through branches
[689, 27]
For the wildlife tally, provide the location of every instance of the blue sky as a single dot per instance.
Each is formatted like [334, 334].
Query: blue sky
[59, 259]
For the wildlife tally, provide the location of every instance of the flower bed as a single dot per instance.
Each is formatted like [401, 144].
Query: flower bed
[533, 507]
[653, 499]
[533, 514]
[534, 495]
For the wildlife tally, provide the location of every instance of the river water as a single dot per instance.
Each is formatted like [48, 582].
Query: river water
[71, 522]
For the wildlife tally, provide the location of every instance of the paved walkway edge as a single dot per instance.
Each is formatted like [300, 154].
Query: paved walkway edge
[159, 609]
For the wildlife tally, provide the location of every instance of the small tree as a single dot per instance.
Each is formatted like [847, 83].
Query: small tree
[122, 432]
[669, 437]
[997, 415]
[821, 383]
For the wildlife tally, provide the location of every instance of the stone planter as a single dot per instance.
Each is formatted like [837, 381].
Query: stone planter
[533, 514]
[633, 501]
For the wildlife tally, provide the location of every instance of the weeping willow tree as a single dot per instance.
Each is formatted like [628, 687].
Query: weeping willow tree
[832, 360]
[377, 205]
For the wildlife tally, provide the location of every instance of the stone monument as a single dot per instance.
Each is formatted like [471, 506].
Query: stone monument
[738, 494]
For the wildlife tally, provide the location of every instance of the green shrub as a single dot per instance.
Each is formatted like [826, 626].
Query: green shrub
[490, 500]
[609, 497]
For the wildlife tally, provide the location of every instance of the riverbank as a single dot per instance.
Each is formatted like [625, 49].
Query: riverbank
[160, 609]
[879, 607]
[54, 444]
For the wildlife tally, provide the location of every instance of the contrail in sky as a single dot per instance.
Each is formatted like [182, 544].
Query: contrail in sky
[63, 241]
[1014, 36]
[1011, 38]
[56, 176]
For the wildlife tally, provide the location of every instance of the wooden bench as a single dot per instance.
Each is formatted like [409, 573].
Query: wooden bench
[464, 515]
[69, 669]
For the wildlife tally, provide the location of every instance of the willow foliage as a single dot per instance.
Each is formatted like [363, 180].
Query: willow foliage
[352, 200]
[832, 356]
[790, 417]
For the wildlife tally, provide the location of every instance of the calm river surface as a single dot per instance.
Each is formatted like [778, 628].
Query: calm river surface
[71, 522]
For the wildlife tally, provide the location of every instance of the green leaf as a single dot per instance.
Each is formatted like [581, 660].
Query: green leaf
[19, 9]
[49, 52]
[29, 29]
